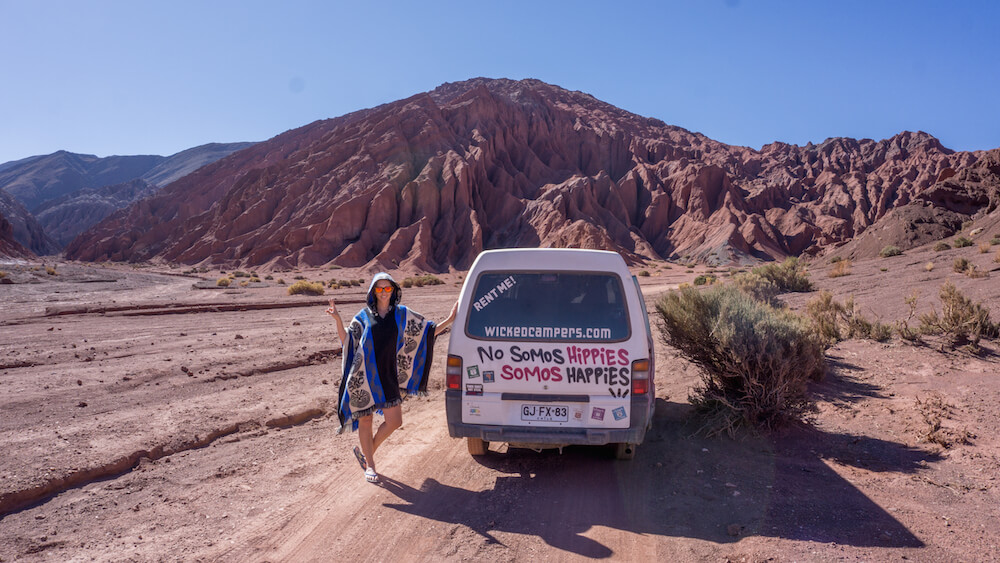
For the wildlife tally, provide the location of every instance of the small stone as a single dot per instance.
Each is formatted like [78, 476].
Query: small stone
[239, 337]
[325, 382]
[296, 323]
[81, 404]
[79, 382]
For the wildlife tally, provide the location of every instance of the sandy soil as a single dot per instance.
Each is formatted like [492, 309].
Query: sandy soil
[145, 420]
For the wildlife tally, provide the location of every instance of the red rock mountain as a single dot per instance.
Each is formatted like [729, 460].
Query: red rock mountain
[429, 181]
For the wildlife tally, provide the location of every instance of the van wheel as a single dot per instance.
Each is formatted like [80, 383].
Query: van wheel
[624, 451]
[478, 446]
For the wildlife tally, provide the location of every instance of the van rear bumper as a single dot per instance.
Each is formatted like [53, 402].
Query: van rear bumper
[634, 434]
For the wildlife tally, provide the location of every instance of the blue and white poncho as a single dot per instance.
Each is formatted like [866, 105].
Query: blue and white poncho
[361, 392]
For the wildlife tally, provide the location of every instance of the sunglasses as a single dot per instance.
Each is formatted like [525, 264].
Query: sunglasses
[383, 289]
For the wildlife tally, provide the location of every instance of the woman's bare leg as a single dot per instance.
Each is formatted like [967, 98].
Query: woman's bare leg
[365, 437]
[393, 420]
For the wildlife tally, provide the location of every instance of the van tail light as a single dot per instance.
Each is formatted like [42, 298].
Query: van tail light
[453, 372]
[640, 377]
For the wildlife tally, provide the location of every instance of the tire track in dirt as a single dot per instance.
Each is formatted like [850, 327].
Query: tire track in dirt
[18, 500]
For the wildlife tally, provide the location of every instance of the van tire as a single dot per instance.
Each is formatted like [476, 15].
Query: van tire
[624, 451]
[478, 446]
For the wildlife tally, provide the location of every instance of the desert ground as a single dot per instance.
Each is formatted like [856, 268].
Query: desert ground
[144, 419]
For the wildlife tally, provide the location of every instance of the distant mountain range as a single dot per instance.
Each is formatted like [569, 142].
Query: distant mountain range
[68, 192]
[429, 181]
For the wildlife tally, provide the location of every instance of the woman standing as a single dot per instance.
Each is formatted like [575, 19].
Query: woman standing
[387, 351]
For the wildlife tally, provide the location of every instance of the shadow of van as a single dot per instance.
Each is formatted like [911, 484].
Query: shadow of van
[680, 485]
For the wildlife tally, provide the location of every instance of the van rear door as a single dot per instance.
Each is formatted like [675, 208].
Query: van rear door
[549, 348]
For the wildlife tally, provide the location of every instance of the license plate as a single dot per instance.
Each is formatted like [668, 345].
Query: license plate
[544, 413]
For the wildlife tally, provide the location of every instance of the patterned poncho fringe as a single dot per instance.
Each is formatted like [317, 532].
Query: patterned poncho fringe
[361, 392]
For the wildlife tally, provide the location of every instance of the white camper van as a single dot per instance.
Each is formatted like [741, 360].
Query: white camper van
[550, 347]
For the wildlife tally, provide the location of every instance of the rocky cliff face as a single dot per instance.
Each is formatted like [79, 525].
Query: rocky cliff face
[429, 181]
[24, 229]
[9, 247]
[66, 217]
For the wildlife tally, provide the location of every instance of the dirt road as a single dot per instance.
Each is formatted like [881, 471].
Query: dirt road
[201, 433]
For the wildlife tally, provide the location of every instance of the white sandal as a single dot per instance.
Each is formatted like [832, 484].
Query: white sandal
[371, 476]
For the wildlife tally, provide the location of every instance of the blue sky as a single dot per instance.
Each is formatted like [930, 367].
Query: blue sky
[136, 77]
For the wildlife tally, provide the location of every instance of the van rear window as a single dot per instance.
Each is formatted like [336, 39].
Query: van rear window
[550, 306]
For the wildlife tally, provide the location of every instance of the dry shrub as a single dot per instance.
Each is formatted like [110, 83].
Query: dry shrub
[756, 359]
[420, 281]
[222, 282]
[973, 271]
[643, 273]
[823, 313]
[705, 279]
[962, 242]
[3, 274]
[984, 247]
[934, 411]
[903, 326]
[303, 287]
[929, 267]
[961, 321]
[840, 269]
[832, 321]
[890, 251]
[960, 265]
[790, 275]
[942, 246]
[51, 271]
[758, 287]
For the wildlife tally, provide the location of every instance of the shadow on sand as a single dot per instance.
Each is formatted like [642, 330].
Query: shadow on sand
[679, 485]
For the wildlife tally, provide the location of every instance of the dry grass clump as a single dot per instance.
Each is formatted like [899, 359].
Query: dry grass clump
[755, 359]
[222, 282]
[984, 247]
[962, 242]
[3, 274]
[934, 411]
[890, 251]
[961, 321]
[929, 267]
[790, 275]
[643, 273]
[304, 287]
[960, 265]
[50, 270]
[840, 269]
[941, 246]
[705, 279]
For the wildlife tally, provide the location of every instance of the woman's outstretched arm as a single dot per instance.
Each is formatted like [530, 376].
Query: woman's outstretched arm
[438, 329]
[341, 333]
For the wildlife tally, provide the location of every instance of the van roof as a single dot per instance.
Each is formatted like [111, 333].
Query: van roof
[550, 259]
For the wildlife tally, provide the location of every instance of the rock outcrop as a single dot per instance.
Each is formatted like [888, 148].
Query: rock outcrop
[429, 181]
[66, 217]
[24, 229]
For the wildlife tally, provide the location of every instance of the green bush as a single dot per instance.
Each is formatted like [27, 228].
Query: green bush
[756, 359]
[960, 265]
[643, 273]
[758, 287]
[790, 275]
[942, 246]
[962, 242]
[705, 279]
[835, 259]
[304, 287]
[240, 274]
[890, 251]
[420, 281]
